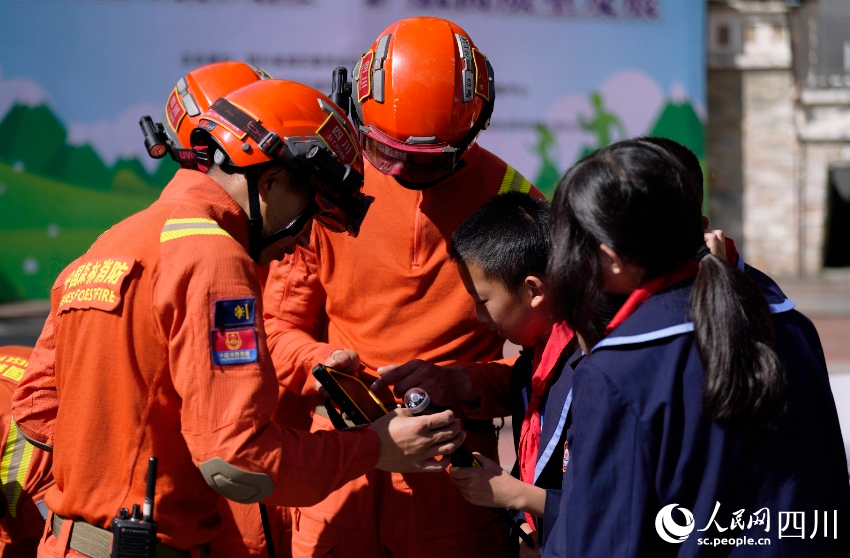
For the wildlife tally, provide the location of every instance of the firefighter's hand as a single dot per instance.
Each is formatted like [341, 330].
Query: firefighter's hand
[410, 444]
[346, 360]
[446, 385]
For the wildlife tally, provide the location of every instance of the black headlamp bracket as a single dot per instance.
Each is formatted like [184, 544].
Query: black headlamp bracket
[157, 144]
[270, 144]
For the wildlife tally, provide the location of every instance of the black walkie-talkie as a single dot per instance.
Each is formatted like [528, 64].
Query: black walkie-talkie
[134, 534]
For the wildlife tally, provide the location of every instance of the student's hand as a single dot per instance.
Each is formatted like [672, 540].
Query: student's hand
[489, 486]
[524, 550]
[446, 385]
[410, 444]
[716, 242]
[493, 487]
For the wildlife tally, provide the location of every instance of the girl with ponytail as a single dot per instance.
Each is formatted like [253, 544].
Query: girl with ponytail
[704, 393]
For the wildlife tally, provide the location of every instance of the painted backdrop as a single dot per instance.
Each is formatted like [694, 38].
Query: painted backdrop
[76, 75]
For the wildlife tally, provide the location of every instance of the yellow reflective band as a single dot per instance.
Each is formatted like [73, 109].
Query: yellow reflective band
[178, 228]
[13, 467]
[514, 182]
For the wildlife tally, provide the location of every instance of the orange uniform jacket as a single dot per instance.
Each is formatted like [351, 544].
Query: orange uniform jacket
[154, 348]
[393, 295]
[24, 469]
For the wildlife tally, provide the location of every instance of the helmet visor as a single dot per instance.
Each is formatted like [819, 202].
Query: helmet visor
[408, 162]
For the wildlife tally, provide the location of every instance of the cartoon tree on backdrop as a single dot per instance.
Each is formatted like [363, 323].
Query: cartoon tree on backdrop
[601, 125]
[546, 148]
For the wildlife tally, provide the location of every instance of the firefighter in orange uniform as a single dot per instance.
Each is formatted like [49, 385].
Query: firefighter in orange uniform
[242, 528]
[25, 472]
[154, 346]
[421, 94]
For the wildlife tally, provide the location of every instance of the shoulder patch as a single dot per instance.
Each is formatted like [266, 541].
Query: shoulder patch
[234, 312]
[233, 339]
[233, 346]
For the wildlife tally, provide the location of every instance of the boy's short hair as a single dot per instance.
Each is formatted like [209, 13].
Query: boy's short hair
[507, 238]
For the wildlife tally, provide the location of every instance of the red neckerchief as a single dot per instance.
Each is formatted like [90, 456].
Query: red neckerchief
[644, 291]
[541, 381]
[686, 271]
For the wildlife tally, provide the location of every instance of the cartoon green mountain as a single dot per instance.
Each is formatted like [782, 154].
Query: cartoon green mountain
[56, 199]
[35, 138]
[81, 165]
[679, 121]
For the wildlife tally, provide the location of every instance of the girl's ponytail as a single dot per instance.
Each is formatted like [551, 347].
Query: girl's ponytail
[733, 327]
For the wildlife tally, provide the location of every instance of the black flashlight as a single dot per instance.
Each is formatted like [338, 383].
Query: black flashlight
[156, 142]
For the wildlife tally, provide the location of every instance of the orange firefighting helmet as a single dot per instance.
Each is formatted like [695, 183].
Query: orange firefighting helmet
[421, 95]
[197, 90]
[194, 94]
[284, 122]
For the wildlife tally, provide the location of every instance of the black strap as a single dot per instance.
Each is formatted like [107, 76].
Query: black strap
[268, 142]
[255, 217]
[267, 530]
[334, 416]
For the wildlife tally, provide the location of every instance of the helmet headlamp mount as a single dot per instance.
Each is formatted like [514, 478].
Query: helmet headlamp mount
[158, 144]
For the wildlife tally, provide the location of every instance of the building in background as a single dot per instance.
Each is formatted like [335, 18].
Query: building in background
[778, 132]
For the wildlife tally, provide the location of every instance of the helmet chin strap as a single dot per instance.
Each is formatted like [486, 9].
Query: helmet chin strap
[255, 217]
[256, 241]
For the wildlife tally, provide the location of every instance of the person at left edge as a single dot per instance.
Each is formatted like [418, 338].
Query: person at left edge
[25, 471]
[153, 346]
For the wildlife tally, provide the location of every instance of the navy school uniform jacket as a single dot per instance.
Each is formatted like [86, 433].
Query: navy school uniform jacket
[548, 471]
[552, 455]
[646, 463]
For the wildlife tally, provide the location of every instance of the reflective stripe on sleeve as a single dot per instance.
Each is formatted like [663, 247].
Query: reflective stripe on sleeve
[178, 228]
[514, 182]
[13, 467]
